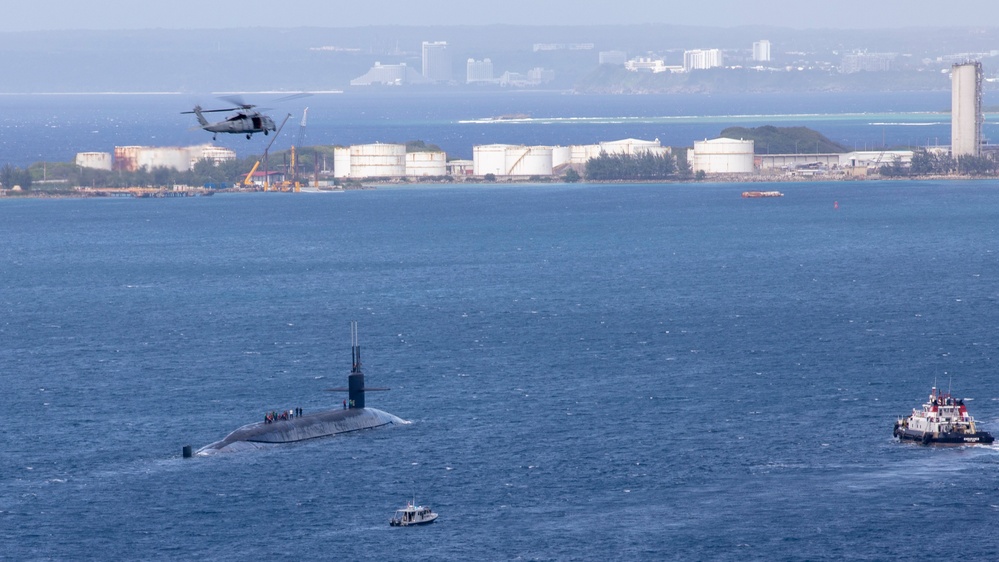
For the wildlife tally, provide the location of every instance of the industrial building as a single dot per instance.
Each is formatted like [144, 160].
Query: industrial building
[386, 161]
[722, 156]
[436, 61]
[868, 159]
[966, 109]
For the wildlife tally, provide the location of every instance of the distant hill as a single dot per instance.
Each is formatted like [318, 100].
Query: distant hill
[785, 140]
[317, 59]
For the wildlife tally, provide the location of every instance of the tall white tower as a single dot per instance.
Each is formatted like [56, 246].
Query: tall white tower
[966, 109]
[761, 51]
[436, 61]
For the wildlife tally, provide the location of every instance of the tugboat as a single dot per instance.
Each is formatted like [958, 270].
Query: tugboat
[943, 420]
[756, 194]
[412, 515]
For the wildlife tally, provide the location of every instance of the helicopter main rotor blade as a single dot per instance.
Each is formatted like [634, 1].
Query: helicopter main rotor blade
[212, 110]
[237, 100]
[292, 97]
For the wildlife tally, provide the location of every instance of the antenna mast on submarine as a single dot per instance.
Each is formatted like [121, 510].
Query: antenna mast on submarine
[355, 348]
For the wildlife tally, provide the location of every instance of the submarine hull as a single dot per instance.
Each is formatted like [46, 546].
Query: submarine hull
[312, 426]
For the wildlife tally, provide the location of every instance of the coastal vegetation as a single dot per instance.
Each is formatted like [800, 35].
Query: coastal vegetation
[925, 163]
[11, 177]
[641, 167]
[785, 140]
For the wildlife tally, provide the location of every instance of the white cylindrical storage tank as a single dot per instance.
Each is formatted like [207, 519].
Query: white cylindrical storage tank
[489, 159]
[426, 164]
[216, 154]
[629, 146]
[723, 156]
[126, 158]
[94, 160]
[461, 167]
[341, 162]
[172, 157]
[377, 161]
[529, 161]
[584, 152]
[561, 155]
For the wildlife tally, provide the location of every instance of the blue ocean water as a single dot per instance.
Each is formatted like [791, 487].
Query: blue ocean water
[53, 128]
[591, 372]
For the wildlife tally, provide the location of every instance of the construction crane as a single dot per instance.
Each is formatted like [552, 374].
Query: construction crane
[301, 140]
[267, 176]
[248, 181]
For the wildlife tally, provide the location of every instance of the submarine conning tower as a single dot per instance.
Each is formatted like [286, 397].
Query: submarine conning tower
[355, 380]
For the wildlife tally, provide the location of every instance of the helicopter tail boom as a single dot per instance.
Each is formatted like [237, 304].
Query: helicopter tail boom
[201, 118]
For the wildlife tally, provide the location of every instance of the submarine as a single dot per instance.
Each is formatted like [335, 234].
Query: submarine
[354, 417]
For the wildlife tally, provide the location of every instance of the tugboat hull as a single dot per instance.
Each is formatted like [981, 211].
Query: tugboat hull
[927, 438]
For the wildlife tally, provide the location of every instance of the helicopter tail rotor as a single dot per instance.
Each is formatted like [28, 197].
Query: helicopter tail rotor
[201, 118]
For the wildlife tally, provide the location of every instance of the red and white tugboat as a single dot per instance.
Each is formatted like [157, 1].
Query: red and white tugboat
[942, 420]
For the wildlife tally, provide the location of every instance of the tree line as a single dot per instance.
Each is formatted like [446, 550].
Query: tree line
[925, 163]
[11, 177]
[642, 166]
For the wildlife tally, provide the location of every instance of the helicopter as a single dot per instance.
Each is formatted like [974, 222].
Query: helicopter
[246, 120]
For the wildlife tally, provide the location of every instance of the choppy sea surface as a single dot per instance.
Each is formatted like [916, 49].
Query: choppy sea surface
[591, 371]
[55, 127]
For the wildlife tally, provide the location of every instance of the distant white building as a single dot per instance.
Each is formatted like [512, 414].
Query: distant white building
[540, 75]
[479, 71]
[436, 61]
[648, 64]
[867, 62]
[612, 57]
[388, 74]
[761, 51]
[702, 59]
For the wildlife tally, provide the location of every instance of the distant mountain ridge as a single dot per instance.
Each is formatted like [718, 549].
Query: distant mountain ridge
[308, 58]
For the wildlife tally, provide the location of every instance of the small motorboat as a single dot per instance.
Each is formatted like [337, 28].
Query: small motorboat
[412, 514]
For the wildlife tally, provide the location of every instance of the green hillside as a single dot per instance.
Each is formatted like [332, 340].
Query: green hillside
[785, 140]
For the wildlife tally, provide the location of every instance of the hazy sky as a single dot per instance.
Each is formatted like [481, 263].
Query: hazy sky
[20, 15]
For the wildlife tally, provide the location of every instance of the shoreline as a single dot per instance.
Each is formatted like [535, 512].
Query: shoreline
[728, 179]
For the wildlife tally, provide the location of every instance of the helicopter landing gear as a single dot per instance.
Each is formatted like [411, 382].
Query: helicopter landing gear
[213, 137]
[265, 132]
[248, 135]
